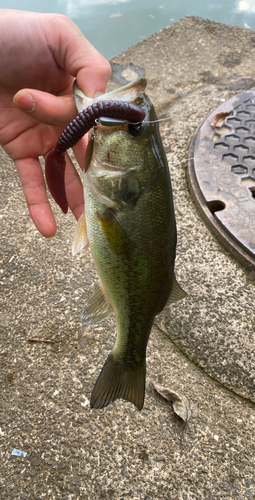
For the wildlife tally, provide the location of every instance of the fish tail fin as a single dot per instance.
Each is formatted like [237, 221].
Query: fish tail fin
[118, 380]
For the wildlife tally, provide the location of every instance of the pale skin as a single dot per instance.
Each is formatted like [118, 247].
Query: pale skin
[41, 55]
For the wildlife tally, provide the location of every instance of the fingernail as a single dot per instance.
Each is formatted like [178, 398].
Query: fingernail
[24, 101]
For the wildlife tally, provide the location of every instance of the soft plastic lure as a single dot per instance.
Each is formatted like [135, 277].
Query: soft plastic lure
[55, 160]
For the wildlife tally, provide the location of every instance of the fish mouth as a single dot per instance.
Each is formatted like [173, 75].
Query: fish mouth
[128, 93]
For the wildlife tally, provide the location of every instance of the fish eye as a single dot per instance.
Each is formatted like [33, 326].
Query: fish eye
[135, 129]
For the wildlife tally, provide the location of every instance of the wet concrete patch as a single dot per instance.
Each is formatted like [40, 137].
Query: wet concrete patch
[126, 73]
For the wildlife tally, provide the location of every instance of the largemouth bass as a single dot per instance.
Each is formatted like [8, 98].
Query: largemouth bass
[129, 225]
[131, 231]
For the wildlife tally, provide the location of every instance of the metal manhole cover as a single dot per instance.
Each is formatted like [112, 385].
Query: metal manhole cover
[222, 175]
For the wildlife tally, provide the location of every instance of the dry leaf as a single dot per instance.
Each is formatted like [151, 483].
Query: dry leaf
[116, 15]
[181, 404]
[219, 119]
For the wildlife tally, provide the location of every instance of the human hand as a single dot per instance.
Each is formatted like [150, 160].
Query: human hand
[42, 54]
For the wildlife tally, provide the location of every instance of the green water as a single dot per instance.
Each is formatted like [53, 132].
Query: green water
[113, 26]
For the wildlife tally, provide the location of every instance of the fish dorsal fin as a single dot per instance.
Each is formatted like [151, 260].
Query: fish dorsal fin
[80, 240]
[177, 293]
[114, 232]
[96, 309]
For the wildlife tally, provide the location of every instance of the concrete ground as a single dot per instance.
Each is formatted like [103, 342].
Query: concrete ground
[202, 347]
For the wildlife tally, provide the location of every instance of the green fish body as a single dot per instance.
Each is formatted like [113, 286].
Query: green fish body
[131, 231]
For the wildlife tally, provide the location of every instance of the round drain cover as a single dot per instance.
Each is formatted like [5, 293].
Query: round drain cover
[222, 174]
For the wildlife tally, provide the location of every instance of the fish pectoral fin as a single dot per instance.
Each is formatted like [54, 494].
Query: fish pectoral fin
[96, 309]
[114, 232]
[129, 190]
[117, 380]
[177, 293]
[80, 240]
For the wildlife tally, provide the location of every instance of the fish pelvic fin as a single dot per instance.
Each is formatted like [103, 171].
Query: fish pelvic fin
[118, 380]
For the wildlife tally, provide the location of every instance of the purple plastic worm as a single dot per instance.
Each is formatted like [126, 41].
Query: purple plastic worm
[55, 159]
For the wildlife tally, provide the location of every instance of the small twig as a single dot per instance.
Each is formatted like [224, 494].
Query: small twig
[42, 340]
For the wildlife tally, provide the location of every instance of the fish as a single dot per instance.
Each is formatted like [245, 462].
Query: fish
[129, 226]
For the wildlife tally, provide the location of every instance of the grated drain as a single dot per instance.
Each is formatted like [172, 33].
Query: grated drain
[222, 175]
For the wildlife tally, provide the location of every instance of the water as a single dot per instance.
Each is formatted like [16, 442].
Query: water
[114, 25]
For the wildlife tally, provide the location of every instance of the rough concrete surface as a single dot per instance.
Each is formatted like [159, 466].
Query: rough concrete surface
[202, 347]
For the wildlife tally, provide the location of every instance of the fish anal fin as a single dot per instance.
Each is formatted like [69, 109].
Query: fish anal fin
[96, 309]
[80, 240]
[117, 380]
[114, 232]
[177, 293]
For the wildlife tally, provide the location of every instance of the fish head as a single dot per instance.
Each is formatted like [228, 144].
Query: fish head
[133, 93]
[122, 156]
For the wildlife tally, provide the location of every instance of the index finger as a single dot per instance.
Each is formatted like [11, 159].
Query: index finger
[76, 55]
